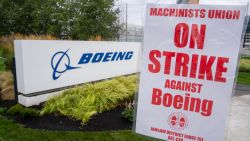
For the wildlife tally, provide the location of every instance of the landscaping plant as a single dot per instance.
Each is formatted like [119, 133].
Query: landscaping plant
[128, 112]
[2, 110]
[5, 55]
[22, 111]
[2, 64]
[6, 86]
[90, 99]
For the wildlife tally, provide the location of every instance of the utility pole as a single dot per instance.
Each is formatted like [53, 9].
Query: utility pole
[126, 22]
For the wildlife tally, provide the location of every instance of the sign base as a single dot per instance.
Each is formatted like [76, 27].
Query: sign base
[36, 100]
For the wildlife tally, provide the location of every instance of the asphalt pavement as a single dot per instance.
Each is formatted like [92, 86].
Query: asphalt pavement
[245, 51]
[239, 120]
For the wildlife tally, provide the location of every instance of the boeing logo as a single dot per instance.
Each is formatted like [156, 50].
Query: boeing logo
[60, 61]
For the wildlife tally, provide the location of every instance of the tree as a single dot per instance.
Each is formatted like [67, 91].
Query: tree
[78, 19]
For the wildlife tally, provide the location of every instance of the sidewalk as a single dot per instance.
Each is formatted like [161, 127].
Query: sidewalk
[239, 126]
[245, 51]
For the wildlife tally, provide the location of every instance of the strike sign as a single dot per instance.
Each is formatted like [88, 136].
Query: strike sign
[187, 76]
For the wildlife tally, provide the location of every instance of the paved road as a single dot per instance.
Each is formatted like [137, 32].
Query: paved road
[239, 125]
[239, 122]
[245, 51]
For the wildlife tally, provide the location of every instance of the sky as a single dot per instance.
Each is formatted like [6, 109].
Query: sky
[136, 8]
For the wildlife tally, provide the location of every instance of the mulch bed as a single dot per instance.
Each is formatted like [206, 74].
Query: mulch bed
[7, 103]
[111, 120]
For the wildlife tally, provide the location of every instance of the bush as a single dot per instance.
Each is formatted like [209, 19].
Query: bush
[23, 111]
[6, 86]
[5, 58]
[2, 110]
[128, 112]
[83, 102]
[2, 64]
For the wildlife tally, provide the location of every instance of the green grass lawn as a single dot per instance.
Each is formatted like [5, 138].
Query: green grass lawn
[245, 57]
[244, 68]
[10, 131]
[244, 65]
[244, 78]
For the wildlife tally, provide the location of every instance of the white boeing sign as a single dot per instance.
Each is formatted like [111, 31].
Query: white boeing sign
[49, 65]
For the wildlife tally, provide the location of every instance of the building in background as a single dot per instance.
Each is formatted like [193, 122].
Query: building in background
[131, 21]
[247, 35]
[134, 33]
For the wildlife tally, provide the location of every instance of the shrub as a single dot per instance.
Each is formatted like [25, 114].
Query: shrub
[6, 56]
[83, 102]
[95, 38]
[23, 111]
[2, 64]
[6, 86]
[2, 110]
[128, 113]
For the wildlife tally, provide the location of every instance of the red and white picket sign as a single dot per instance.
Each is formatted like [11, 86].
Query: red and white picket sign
[190, 58]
